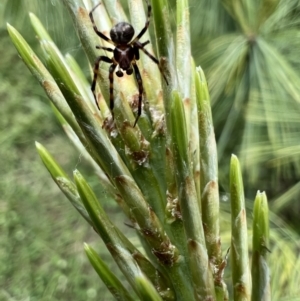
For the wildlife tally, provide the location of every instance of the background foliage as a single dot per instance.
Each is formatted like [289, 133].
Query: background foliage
[38, 226]
[41, 236]
[249, 51]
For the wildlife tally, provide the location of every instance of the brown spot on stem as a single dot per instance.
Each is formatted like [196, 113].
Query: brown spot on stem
[83, 14]
[212, 184]
[193, 245]
[240, 287]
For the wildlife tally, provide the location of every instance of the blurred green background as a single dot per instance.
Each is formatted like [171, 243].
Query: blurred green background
[41, 235]
[253, 74]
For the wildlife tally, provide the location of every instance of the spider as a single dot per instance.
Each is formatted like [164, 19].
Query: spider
[125, 55]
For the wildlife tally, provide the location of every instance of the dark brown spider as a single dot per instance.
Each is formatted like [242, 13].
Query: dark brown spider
[125, 54]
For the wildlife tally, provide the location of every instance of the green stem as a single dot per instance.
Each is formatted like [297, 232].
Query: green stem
[192, 221]
[241, 277]
[260, 270]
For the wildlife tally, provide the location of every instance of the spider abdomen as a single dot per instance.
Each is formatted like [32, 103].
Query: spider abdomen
[122, 33]
[124, 56]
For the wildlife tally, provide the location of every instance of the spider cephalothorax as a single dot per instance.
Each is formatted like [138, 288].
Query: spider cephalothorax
[125, 55]
[122, 33]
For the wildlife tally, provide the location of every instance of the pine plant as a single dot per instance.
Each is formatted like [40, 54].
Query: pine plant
[162, 172]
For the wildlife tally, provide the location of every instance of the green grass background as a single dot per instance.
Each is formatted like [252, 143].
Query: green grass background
[41, 235]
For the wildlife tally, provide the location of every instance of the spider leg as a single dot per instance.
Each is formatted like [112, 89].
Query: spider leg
[145, 43]
[140, 45]
[105, 48]
[100, 34]
[111, 88]
[136, 50]
[96, 69]
[146, 24]
[141, 89]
